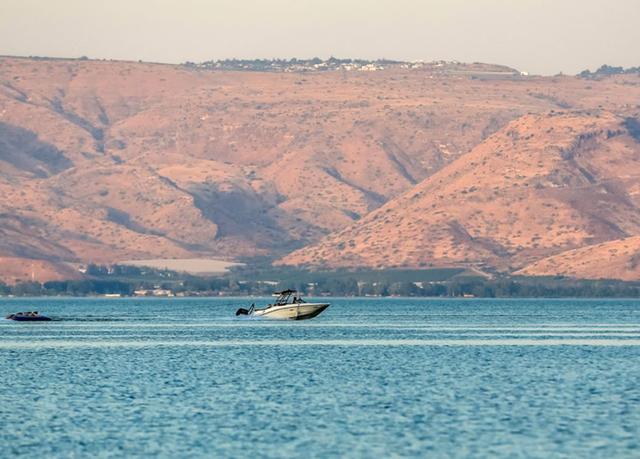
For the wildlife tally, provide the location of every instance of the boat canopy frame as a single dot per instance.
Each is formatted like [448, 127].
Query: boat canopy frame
[284, 297]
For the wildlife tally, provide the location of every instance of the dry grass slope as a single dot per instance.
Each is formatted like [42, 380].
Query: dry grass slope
[619, 259]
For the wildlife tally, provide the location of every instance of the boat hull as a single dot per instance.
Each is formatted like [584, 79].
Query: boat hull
[301, 311]
[31, 319]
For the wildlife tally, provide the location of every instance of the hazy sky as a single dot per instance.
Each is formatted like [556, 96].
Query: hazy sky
[539, 36]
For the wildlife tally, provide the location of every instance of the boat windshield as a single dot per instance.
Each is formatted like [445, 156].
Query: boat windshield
[286, 297]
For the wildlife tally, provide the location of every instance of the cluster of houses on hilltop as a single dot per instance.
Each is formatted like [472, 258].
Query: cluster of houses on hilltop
[350, 65]
[295, 65]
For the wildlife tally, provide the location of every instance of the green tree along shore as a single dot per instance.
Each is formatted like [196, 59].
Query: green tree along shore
[446, 282]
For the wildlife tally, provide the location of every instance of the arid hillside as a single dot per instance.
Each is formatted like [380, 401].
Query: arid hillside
[618, 259]
[543, 185]
[104, 161]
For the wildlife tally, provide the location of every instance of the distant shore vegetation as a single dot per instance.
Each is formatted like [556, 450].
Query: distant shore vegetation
[436, 282]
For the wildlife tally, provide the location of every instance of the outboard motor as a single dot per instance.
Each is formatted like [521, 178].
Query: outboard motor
[245, 312]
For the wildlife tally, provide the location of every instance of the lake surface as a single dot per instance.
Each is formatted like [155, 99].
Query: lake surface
[367, 378]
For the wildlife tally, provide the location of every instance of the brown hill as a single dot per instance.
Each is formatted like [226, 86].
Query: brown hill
[542, 185]
[25, 269]
[619, 259]
[104, 161]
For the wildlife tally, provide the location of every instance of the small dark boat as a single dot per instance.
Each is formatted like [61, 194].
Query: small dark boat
[28, 317]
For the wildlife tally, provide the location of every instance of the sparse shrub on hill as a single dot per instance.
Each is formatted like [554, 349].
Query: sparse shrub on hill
[608, 70]
[633, 126]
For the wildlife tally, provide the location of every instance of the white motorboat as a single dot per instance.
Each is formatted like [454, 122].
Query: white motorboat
[288, 305]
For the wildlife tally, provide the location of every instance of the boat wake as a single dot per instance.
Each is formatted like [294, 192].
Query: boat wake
[131, 344]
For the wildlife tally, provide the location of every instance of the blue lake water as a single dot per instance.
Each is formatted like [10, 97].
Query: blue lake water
[367, 378]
